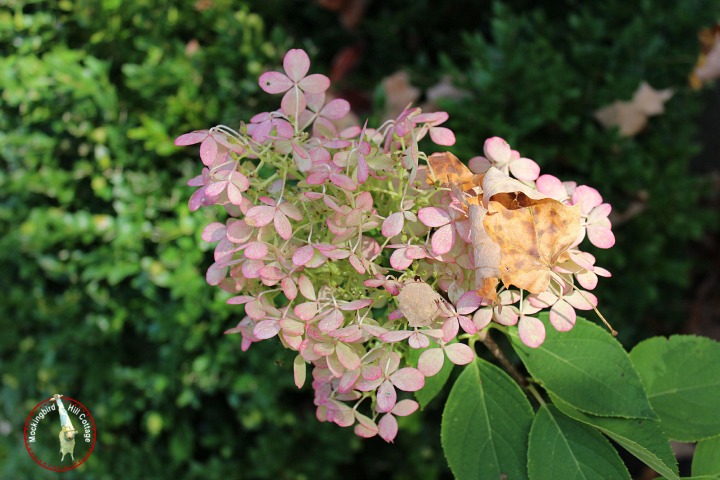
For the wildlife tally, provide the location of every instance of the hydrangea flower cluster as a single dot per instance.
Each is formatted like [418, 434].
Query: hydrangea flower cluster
[353, 247]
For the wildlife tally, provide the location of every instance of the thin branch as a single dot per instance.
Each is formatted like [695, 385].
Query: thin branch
[497, 353]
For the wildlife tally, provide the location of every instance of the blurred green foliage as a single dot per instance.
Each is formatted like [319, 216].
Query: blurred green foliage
[104, 297]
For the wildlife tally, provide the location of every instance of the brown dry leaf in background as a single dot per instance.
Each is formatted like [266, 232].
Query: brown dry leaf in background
[707, 67]
[631, 117]
[399, 93]
[532, 240]
[350, 12]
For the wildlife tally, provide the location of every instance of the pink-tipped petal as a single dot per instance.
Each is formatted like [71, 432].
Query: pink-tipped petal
[293, 102]
[601, 237]
[191, 138]
[214, 232]
[332, 321]
[215, 274]
[468, 303]
[479, 164]
[434, 217]
[393, 224]
[299, 371]
[260, 215]
[524, 169]
[306, 311]
[335, 109]
[274, 82]
[208, 151]
[408, 379]
[587, 197]
[552, 187]
[497, 150]
[315, 83]
[482, 318]
[386, 396]
[442, 136]
[395, 336]
[282, 225]
[266, 329]
[459, 353]
[347, 356]
[399, 261]
[531, 331]
[388, 428]
[562, 316]
[431, 361]
[296, 64]
[443, 240]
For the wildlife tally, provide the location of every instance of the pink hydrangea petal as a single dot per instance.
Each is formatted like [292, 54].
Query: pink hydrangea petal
[215, 188]
[365, 428]
[306, 287]
[266, 329]
[356, 304]
[443, 240]
[442, 136]
[343, 181]
[271, 274]
[482, 318]
[303, 255]
[580, 302]
[214, 232]
[433, 118]
[418, 340]
[240, 300]
[468, 303]
[388, 428]
[282, 225]
[315, 102]
[601, 237]
[459, 353]
[296, 64]
[386, 396]
[408, 379]
[293, 102]
[191, 138]
[306, 311]
[524, 169]
[505, 316]
[347, 356]
[562, 316]
[335, 109]
[315, 83]
[331, 321]
[434, 217]
[479, 164]
[450, 329]
[431, 361]
[399, 261]
[274, 82]
[395, 336]
[587, 279]
[215, 274]
[497, 150]
[256, 250]
[208, 151]
[260, 215]
[587, 197]
[299, 371]
[239, 231]
[406, 407]
[291, 211]
[531, 331]
[357, 264]
[551, 186]
[415, 252]
[467, 324]
[393, 224]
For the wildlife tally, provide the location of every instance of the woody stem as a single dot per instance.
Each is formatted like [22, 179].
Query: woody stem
[498, 353]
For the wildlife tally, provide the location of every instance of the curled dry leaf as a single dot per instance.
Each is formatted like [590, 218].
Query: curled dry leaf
[532, 240]
[449, 170]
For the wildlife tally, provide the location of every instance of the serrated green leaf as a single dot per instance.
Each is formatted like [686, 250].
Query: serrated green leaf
[641, 437]
[587, 368]
[706, 460]
[561, 447]
[682, 378]
[485, 425]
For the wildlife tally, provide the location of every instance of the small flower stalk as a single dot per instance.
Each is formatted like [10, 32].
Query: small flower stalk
[354, 247]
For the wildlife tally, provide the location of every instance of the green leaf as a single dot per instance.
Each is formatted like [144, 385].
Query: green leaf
[682, 378]
[561, 447]
[641, 437]
[485, 424]
[587, 368]
[706, 460]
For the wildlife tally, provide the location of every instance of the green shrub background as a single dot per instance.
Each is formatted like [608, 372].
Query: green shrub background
[103, 292]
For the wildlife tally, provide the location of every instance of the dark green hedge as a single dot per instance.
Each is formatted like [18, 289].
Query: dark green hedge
[103, 291]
